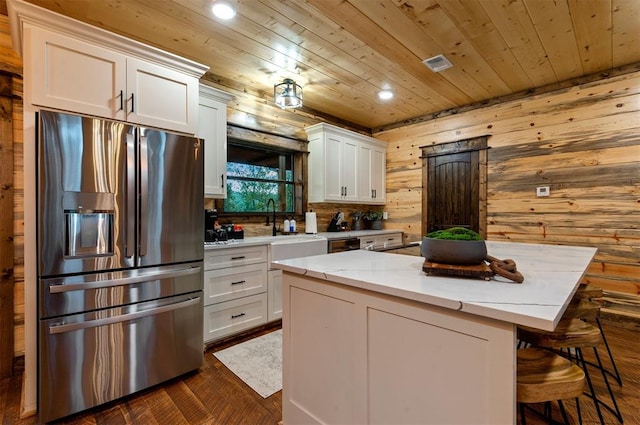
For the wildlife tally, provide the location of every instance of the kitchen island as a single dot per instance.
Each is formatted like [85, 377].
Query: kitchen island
[370, 338]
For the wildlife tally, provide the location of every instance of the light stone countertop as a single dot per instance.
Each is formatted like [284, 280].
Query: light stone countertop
[552, 274]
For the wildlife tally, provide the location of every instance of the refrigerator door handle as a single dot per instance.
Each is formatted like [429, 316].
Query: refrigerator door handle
[130, 202]
[70, 327]
[144, 194]
[59, 288]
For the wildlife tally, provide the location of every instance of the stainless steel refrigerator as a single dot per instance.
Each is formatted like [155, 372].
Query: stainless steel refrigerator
[120, 255]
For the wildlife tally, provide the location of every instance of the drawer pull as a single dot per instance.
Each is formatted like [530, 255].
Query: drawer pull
[241, 257]
[238, 282]
[235, 316]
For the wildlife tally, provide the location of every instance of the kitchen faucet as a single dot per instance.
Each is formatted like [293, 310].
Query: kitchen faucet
[271, 201]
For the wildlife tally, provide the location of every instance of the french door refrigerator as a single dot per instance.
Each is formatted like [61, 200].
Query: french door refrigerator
[120, 253]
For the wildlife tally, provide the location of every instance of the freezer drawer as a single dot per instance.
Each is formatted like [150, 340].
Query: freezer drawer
[92, 358]
[76, 294]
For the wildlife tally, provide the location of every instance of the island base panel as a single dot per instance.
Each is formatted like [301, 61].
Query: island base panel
[355, 356]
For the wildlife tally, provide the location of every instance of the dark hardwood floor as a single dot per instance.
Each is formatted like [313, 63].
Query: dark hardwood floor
[215, 395]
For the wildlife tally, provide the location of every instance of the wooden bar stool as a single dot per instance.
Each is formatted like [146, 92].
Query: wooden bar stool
[543, 377]
[574, 334]
[588, 310]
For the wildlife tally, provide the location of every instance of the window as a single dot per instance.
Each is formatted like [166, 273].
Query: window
[257, 173]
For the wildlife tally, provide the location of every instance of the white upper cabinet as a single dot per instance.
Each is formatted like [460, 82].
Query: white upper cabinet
[72, 75]
[345, 166]
[212, 128]
[75, 67]
[161, 97]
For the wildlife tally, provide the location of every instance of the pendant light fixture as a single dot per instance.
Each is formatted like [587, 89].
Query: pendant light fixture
[287, 94]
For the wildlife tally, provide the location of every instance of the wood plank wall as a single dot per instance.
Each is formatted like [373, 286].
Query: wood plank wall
[583, 142]
[11, 67]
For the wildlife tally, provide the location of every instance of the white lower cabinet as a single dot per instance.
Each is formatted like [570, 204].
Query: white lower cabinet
[235, 290]
[275, 295]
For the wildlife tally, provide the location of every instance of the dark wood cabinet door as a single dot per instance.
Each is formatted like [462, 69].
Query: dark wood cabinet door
[453, 191]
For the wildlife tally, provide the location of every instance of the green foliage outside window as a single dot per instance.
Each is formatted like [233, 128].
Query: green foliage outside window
[255, 176]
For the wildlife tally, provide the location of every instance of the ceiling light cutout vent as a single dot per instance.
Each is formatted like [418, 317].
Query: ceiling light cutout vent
[437, 63]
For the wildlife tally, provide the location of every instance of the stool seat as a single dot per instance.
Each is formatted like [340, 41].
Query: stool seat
[586, 291]
[569, 333]
[582, 308]
[544, 376]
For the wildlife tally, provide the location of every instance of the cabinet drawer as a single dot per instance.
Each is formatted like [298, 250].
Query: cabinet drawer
[375, 242]
[234, 282]
[390, 241]
[231, 257]
[230, 317]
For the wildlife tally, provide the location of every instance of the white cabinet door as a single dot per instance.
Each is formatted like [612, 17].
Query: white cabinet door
[349, 170]
[371, 174]
[212, 127]
[72, 75]
[378, 175]
[333, 187]
[161, 97]
[365, 191]
[339, 169]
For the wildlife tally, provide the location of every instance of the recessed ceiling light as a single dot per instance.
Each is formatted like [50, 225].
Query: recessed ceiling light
[385, 94]
[223, 9]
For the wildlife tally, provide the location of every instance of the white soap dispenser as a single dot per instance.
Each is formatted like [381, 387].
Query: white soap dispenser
[287, 225]
[292, 224]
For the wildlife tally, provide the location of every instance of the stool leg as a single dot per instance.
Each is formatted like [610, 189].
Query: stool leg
[578, 409]
[606, 344]
[565, 418]
[523, 419]
[580, 359]
[606, 381]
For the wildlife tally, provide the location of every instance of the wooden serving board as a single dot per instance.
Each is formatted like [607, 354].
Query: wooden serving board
[477, 271]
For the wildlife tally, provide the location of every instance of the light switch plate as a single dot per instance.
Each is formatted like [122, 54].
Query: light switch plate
[542, 191]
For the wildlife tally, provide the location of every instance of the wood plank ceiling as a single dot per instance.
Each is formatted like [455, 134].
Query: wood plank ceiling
[344, 51]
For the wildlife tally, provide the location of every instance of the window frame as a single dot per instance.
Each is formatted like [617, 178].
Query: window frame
[300, 178]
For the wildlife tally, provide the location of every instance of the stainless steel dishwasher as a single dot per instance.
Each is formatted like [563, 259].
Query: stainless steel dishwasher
[343, 244]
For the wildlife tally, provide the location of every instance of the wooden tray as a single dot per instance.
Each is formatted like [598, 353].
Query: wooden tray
[476, 271]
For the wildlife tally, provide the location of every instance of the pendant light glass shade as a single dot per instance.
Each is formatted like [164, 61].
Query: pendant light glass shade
[287, 94]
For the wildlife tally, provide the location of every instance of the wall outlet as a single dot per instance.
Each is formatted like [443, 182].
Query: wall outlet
[543, 191]
[385, 215]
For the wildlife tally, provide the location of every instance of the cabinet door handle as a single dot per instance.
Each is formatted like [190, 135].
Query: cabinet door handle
[235, 316]
[132, 104]
[238, 282]
[121, 100]
[241, 257]
[222, 180]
